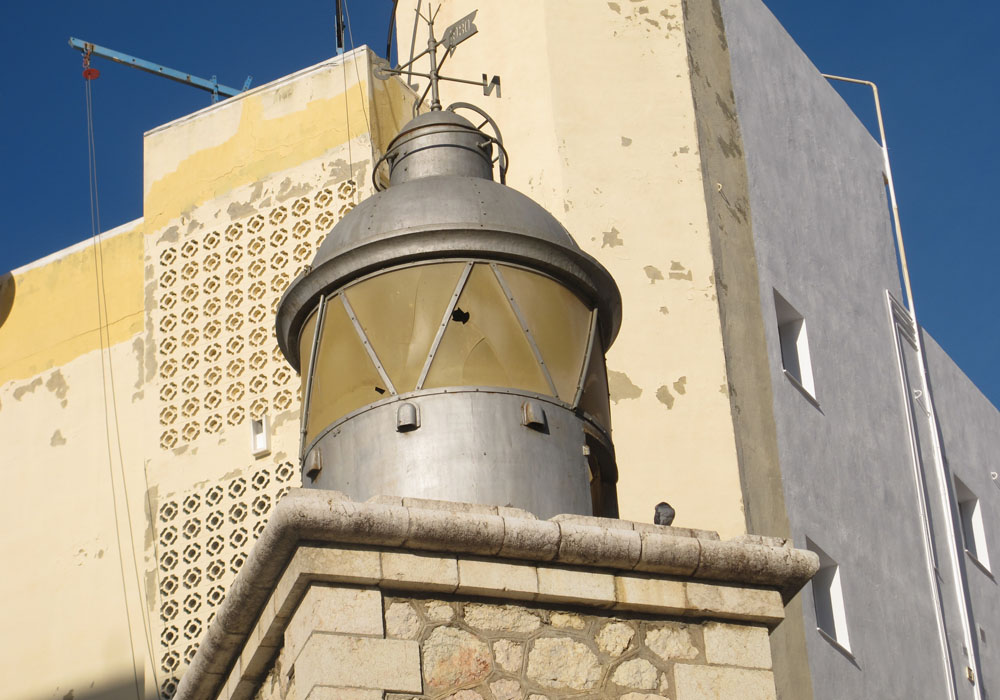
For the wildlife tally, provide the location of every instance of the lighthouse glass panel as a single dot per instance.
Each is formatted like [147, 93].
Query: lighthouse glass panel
[400, 312]
[484, 344]
[595, 400]
[305, 353]
[344, 378]
[558, 320]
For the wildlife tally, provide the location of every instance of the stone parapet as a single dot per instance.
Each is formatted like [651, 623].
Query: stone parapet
[372, 596]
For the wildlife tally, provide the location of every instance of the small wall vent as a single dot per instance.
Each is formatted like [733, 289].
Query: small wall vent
[973, 530]
[828, 599]
[260, 436]
[795, 357]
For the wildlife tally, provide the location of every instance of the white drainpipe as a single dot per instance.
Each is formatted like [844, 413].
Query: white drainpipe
[948, 502]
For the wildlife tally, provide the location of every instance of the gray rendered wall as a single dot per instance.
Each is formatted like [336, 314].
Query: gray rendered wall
[970, 430]
[823, 240]
[748, 369]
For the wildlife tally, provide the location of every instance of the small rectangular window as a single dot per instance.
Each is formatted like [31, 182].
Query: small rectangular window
[828, 598]
[794, 344]
[973, 530]
[260, 437]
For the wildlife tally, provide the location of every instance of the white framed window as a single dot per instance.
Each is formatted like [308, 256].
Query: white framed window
[828, 599]
[973, 530]
[794, 338]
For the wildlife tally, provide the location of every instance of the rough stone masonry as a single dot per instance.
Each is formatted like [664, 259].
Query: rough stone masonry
[400, 599]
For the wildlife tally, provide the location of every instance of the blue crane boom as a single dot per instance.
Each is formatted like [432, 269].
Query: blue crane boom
[213, 86]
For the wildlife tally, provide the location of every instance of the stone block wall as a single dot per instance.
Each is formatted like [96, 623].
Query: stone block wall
[473, 649]
[408, 599]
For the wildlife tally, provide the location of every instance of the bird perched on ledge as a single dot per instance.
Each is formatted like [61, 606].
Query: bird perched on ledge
[664, 514]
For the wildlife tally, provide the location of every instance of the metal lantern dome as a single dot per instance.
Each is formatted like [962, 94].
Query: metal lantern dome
[450, 335]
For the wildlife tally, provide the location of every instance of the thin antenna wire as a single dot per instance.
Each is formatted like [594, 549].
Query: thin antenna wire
[413, 37]
[371, 136]
[347, 119]
[104, 331]
[101, 317]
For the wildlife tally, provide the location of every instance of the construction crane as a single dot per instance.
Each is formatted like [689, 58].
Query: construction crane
[213, 86]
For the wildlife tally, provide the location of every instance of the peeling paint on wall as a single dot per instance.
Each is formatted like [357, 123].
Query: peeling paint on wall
[653, 273]
[57, 439]
[207, 168]
[626, 141]
[679, 385]
[621, 388]
[664, 310]
[286, 190]
[679, 272]
[612, 239]
[283, 418]
[149, 300]
[339, 170]
[27, 388]
[57, 385]
[139, 348]
[168, 236]
[238, 211]
[664, 396]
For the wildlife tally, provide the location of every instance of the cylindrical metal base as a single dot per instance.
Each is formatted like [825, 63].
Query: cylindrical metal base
[468, 446]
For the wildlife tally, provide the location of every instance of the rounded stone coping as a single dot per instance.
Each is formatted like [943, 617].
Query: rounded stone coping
[330, 517]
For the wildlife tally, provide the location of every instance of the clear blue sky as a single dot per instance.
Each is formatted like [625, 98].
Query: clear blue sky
[937, 67]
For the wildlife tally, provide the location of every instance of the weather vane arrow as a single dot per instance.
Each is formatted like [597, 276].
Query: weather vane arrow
[454, 35]
[459, 32]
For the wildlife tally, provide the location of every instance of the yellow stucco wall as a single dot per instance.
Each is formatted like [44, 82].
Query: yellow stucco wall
[53, 315]
[202, 157]
[73, 447]
[237, 198]
[598, 117]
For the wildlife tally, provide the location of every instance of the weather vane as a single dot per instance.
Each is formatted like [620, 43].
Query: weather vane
[454, 35]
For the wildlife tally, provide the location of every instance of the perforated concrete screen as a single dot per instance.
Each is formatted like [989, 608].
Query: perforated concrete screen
[218, 358]
[219, 367]
[203, 539]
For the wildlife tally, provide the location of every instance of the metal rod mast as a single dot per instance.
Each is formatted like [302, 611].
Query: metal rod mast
[432, 49]
[339, 25]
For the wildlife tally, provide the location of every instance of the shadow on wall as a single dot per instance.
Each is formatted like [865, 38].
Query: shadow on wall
[6, 296]
[121, 688]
